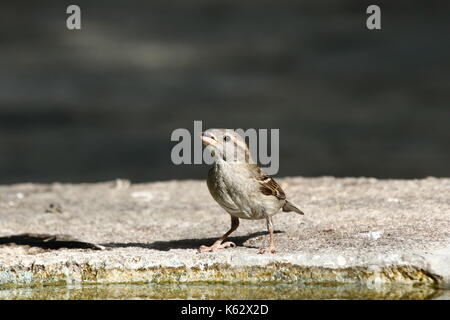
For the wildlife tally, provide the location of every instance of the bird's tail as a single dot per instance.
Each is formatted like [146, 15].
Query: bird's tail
[289, 206]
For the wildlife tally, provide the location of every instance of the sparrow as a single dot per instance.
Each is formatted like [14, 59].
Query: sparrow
[240, 187]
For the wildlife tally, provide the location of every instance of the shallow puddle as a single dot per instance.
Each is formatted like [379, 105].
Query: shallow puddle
[215, 291]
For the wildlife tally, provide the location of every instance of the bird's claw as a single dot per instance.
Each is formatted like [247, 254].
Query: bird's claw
[267, 250]
[217, 246]
[227, 244]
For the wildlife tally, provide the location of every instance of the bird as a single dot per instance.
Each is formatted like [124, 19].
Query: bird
[241, 187]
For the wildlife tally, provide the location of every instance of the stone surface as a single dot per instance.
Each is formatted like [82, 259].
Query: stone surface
[361, 231]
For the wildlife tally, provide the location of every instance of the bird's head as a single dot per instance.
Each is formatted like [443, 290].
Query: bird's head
[227, 145]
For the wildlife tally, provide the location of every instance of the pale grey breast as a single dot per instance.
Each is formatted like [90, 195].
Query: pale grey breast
[239, 194]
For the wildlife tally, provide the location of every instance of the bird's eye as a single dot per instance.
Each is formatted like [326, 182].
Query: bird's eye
[226, 138]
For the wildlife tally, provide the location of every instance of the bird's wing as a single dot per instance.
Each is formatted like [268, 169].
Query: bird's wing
[269, 186]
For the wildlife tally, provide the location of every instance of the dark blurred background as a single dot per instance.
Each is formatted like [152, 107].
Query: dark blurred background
[101, 103]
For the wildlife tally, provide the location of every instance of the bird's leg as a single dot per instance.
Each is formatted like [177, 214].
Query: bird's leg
[271, 247]
[220, 244]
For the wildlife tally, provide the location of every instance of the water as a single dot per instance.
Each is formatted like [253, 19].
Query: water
[217, 291]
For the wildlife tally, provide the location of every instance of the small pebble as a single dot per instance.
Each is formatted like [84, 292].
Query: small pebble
[54, 207]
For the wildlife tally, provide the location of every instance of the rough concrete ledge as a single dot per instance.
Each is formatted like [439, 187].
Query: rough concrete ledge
[360, 231]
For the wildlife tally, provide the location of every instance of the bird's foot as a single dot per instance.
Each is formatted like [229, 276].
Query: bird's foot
[270, 249]
[216, 246]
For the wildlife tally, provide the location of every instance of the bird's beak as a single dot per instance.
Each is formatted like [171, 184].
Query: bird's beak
[208, 139]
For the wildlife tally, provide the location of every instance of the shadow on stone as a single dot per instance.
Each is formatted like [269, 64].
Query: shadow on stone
[48, 241]
[187, 243]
